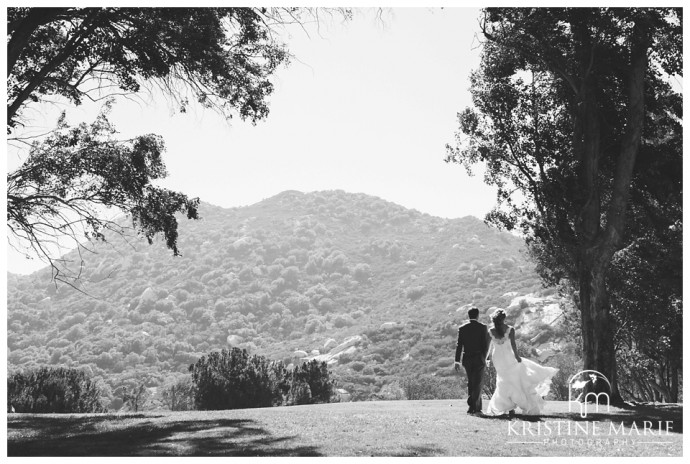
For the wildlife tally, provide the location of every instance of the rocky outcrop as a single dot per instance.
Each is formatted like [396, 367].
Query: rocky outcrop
[536, 317]
[527, 310]
[347, 347]
[147, 299]
[352, 341]
[342, 395]
[330, 343]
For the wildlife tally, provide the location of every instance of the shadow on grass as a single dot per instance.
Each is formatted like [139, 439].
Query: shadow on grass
[637, 415]
[108, 436]
[421, 451]
[50, 425]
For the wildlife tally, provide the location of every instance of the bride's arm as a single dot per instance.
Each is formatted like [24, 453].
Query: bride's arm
[512, 344]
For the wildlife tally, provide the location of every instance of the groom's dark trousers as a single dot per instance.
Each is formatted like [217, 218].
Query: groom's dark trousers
[472, 348]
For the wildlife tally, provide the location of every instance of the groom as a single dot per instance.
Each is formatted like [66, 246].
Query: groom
[473, 340]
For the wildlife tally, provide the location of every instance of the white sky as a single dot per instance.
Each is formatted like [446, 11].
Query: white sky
[366, 106]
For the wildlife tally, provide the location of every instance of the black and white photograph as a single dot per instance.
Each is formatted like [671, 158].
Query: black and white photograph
[346, 232]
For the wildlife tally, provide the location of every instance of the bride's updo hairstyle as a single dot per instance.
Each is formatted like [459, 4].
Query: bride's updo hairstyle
[498, 317]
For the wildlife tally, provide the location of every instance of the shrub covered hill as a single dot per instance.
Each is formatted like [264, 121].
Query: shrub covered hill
[374, 289]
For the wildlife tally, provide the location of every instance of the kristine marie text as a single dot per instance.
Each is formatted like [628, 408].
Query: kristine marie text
[588, 428]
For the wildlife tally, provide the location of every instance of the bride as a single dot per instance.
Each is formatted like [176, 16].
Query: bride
[519, 382]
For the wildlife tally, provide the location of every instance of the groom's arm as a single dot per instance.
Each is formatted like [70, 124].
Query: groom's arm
[458, 348]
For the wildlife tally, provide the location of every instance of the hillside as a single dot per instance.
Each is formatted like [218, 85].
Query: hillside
[374, 289]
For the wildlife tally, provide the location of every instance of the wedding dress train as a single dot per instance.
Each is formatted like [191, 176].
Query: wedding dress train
[518, 384]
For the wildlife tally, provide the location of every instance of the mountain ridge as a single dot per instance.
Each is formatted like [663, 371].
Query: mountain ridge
[292, 273]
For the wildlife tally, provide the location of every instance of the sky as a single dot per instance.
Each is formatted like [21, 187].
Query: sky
[365, 106]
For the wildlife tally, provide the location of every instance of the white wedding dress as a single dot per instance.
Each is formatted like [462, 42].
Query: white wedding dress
[518, 384]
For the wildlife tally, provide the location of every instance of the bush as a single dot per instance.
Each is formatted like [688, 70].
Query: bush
[313, 325]
[53, 390]
[424, 350]
[357, 366]
[231, 379]
[178, 394]
[342, 320]
[300, 393]
[445, 362]
[568, 364]
[415, 293]
[326, 305]
[362, 273]
[316, 375]
[136, 396]
[391, 391]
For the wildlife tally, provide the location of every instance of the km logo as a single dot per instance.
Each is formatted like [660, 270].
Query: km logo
[586, 381]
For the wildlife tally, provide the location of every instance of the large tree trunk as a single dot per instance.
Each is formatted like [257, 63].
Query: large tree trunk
[594, 253]
[599, 216]
[599, 239]
[598, 348]
[674, 380]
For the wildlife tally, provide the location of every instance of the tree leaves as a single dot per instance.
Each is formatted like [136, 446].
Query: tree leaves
[566, 101]
[53, 390]
[231, 379]
[73, 176]
[222, 56]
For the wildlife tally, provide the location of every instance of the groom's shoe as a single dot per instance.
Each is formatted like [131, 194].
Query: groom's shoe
[511, 413]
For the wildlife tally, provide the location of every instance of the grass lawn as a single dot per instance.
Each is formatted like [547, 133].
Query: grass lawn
[384, 428]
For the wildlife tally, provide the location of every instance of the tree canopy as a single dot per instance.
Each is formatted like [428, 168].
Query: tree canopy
[578, 125]
[222, 58]
[75, 172]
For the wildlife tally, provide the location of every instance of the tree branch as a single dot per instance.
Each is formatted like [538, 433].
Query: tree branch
[631, 139]
[21, 31]
[86, 27]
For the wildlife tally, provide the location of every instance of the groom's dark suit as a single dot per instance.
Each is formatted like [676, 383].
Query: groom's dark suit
[473, 346]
